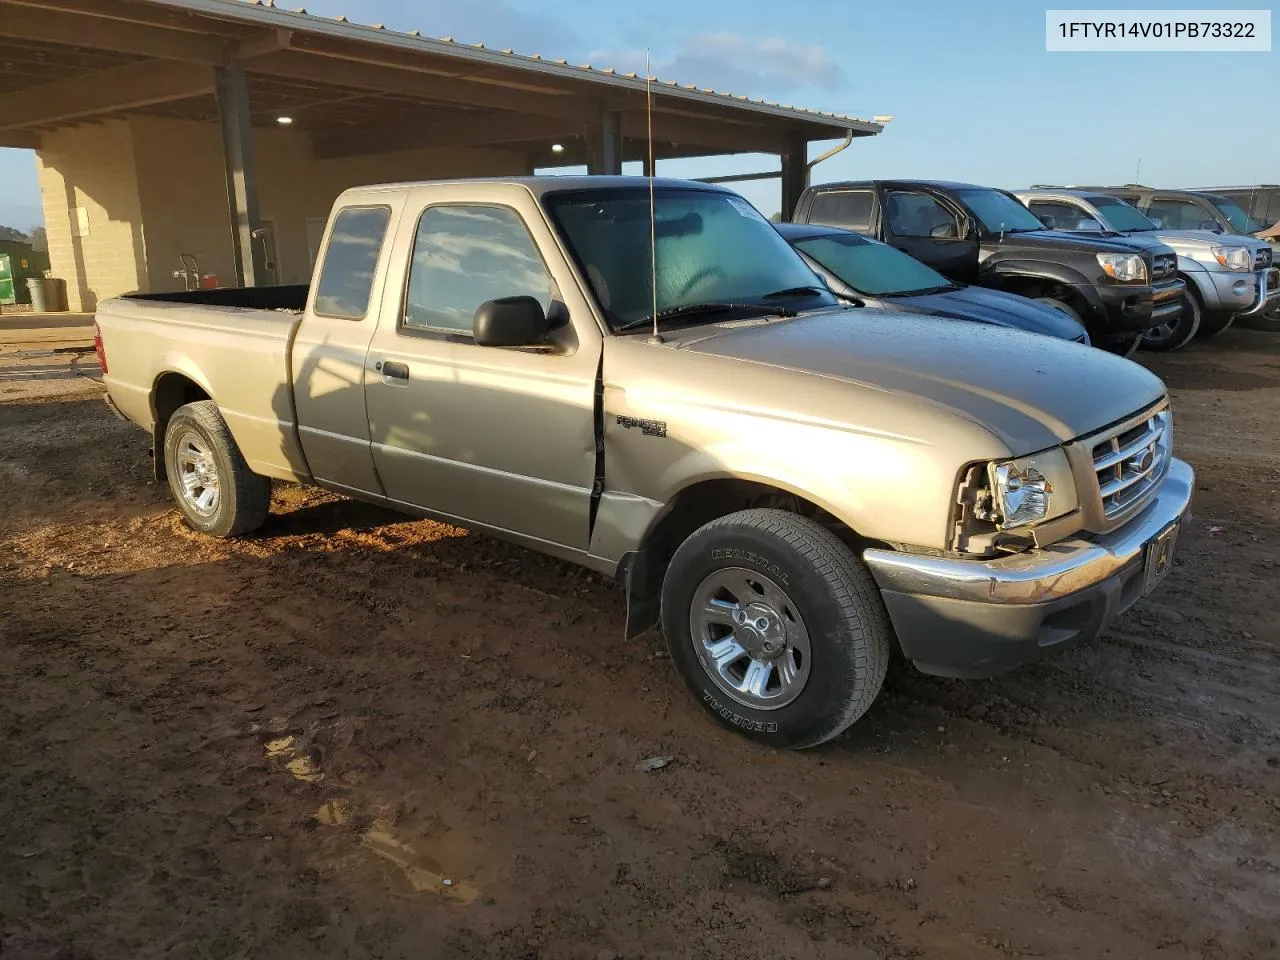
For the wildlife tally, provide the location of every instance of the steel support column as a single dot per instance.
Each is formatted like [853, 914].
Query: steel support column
[242, 182]
[606, 145]
[795, 174]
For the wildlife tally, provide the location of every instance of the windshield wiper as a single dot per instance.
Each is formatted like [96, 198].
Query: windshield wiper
[694, 309]
[795, 292]
[813, 291]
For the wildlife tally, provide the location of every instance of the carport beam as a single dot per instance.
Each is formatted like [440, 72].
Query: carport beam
[795, 174]
[242, 180]
[606, 152]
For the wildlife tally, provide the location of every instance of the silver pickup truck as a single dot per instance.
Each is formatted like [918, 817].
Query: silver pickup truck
[789, 485]
[1227, 276]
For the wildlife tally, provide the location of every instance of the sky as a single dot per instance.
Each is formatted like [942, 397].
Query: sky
[973, 93]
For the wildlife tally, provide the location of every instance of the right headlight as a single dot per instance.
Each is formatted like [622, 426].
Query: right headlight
[1125, 267]
[1233, 258]
[1029, 490]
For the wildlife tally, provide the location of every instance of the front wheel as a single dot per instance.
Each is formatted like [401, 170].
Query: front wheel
[776, 627]
[1268, 320]
[215, 489]
[1175, 333]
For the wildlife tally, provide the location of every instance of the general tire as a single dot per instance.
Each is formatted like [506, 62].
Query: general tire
[197, 433]
[1180, 333]
[1212, 322]
[847, 628]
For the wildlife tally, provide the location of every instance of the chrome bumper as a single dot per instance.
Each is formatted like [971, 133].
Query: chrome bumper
[1044, 574]
[1268, 291]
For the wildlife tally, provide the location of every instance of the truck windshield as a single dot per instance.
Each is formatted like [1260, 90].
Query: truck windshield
[998, 212]
[875, 269]
[714, 251]
[1241, 221]
[1120, 217]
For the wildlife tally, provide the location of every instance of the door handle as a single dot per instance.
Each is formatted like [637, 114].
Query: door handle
[393, 369]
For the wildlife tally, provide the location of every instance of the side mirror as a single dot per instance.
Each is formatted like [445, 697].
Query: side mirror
[1049, 220]
[511, 322]
[1089, 225]
[1210, 225]
[1157, 222]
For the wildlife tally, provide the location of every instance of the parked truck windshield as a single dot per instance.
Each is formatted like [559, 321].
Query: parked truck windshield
[875, 269]
[712, 247]
[998, 212]
[1235, 215]
[1120, 216]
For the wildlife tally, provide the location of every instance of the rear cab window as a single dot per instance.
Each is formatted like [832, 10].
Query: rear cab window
[350, 262]
[850, 209]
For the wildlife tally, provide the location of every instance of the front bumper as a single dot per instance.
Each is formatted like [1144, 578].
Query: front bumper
[1265, 291]
[969, 618]
[1138, 309]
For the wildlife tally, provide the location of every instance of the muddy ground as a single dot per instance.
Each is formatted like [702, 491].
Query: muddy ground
[283, 746]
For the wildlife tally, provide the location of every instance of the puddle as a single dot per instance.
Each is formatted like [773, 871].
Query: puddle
[424, 873]
[297, 763]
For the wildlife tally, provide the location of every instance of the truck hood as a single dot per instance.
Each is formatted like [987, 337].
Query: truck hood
[1030, 391]
[1199, 241]
[982, 305]
[1088, 242]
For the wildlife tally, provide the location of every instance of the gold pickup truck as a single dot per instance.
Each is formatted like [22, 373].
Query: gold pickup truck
[789, 484]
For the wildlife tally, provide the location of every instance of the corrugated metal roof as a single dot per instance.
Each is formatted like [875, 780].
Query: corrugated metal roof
[267, 11]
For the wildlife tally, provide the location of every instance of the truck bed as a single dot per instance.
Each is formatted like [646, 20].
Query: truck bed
[233, 345]
[291, 298]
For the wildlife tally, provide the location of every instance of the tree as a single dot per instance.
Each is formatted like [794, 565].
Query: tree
[39, 240]
[10, 234]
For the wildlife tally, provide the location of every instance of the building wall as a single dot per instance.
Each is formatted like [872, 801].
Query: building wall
[99, 253]
[155, 189]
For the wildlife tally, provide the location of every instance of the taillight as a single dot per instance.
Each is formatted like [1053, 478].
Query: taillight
[98, 348]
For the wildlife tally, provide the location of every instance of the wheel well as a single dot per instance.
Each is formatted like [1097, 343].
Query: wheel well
[171, 391]
[1034, 287]
[709, 500]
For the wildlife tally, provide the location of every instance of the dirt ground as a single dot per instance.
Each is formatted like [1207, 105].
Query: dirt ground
[283, 747]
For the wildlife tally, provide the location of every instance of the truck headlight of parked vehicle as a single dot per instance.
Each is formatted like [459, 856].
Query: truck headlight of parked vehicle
[1029, 490]
[1233, 258]
[1125, 267]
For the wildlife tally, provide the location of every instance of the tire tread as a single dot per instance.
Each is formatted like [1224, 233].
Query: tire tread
[862, 618]
[250, 502]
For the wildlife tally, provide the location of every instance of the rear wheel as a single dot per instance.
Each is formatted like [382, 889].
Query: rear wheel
[215, 489]
[776, 627]
[1175, 333]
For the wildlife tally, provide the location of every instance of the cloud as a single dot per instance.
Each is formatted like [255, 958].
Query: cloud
[769, 66]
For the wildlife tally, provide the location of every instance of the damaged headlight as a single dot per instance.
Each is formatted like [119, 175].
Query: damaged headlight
[1021, 493]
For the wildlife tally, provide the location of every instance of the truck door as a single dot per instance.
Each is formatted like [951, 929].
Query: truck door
[928, 228]
[332, 340]
[501, 437]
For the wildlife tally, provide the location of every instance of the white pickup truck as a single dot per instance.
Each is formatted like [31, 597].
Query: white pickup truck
[791, 485]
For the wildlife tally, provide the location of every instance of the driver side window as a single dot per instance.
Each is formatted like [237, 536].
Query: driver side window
[1177, 214]
[910, 214]
[464, 256]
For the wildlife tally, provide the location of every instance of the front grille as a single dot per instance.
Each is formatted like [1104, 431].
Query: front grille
[1262, 259]
[1129, 463]
[1166, 265]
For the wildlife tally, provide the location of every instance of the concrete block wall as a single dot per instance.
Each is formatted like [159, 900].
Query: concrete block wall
[92, 167]
[154, 188]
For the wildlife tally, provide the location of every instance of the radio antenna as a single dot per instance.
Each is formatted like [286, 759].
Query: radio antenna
[654, 337]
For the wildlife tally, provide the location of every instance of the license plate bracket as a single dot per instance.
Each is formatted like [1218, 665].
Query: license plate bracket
[1159, 556]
